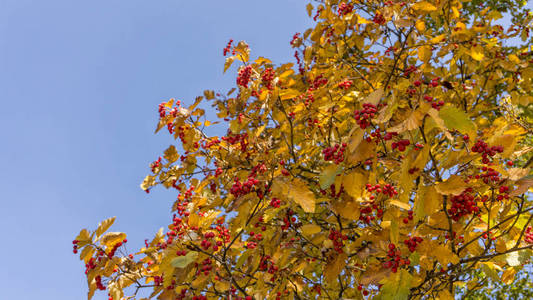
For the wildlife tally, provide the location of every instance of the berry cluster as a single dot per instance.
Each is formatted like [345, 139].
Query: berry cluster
[395, 259]
[365, 292]
[162, 110]
[243, 78]
[346, 84]
[344, 9]
[409, 217]
[99, 284]
[301, 68]
[389, 135]
[362, 116]
[337, 237]
[401, 145]
[436, 104]
[207, 243]
[489, 175]
[75, 246]
[267, 77]
[266, 264]
[462, 205]
[318, 11]
[366, 213]
[228, 48]
[233, 139]
[210, 143]
[434, 82]
[155, 165]
[288, 219]
[411, 69]
[379, 19]
[90, 265]
[275, 202]
[182, 295]
[528, 236]
[412, 242]
[504, 193]
[319, 81]
[158, 280]
[205, 268]
[486, 151]
[387, 189]
[335, 153]
[295, 40]
[239, 189]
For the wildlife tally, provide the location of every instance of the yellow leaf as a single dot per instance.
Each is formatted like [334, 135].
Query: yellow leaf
[522, 186]
[104, 226]
[507, 141]
[454, 185]
[242, 51]
[438, 39]
[364, 151]
[413, 120]
[309, 9]
[288, 94]
[87, 253]
[171, 154]
[148, 182]
[354, 183]
[432, 200]
[229, 61]
[420, 25]
[514, 59]
[440, 252]
[508, 276]
[399, 204]
[347, 208]
[477, 53]
[310, 229]
[424, 53]
[374, 97]
[424, 7]
[84, 236]
[455, 11]
[445, 295]
[334, 268]
[374, 276]
[112, 238]
[300, 193]
[356, 137]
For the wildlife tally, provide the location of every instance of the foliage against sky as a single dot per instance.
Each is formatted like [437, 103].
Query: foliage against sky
[392, 160]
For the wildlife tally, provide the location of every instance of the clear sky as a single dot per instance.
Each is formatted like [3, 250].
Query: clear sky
[80, 82]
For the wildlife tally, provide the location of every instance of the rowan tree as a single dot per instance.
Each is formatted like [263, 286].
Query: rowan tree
[390, 161]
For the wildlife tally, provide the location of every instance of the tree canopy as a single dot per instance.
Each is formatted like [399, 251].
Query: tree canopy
[391, 160]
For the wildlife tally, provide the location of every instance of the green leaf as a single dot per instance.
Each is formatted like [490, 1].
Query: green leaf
[397, 286]
[455, 118]
[327, 178]
[183, 261]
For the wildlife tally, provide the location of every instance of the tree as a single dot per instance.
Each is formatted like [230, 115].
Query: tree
[391, 161]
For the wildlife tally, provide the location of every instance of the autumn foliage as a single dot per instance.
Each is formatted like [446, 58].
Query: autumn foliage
[390, 161]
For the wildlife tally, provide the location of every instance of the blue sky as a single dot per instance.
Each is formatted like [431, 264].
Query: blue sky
[80, 82]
